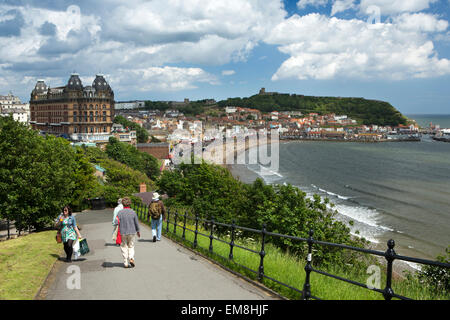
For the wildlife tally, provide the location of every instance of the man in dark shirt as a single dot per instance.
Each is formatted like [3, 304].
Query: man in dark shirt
[129, 227]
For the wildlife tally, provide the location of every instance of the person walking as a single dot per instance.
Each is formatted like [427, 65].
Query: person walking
[69, 231]
[129, 227]
[114, 222]
[158, 213]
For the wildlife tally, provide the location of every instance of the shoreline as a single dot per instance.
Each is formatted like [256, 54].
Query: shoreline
[245, 175]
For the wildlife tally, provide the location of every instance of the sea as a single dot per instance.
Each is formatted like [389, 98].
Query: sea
[390, 190]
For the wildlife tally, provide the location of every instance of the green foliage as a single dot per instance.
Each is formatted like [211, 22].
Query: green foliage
[211, 190]
[38, 175]
[121, 180]
[366, 111]
[435, 277]
[157, 105]
[132, 157]
[141, 133]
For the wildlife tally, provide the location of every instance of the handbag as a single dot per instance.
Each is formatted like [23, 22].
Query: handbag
[118, 235]
[84, 248]
[58, 237]
[76, 249]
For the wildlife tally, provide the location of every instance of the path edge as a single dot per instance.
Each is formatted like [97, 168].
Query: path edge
[237, 274]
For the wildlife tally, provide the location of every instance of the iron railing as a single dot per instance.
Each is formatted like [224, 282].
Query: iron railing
[390, 255]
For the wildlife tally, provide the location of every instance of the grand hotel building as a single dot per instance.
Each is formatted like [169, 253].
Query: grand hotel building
[83, 113]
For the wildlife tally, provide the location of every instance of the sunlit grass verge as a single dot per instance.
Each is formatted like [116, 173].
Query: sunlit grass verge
[289, 269]
[25, 263]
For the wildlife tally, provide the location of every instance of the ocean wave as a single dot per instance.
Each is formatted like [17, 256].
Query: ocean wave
[266, 173]
[363, 215]
[331, 193]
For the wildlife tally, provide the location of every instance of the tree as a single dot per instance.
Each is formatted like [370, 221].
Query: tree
[121, 181]
[38, 175]
[132, 157]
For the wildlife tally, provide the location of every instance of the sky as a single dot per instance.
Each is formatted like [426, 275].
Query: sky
[391, 50]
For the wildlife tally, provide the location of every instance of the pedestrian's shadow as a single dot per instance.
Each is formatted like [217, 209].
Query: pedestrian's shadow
[143, 240]
[111, 245]
[63, 259]
[112, 264]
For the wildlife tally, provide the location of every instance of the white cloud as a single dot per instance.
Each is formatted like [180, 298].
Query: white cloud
[228, 72]
[342, 5]
[321, 47]
[388, 7]
[162, 78]
[420, 22]
[212, 32]
[301, 4]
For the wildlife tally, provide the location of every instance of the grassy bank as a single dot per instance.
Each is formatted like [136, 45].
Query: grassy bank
[25, 263]
[289, 269]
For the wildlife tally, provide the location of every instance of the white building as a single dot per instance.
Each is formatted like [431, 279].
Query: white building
[230, 109]
[20, 115]
[11, 104]
[122, 105]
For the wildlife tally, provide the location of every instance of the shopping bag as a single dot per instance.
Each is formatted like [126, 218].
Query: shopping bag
[119, 237]
[84, 248]
[76, 250]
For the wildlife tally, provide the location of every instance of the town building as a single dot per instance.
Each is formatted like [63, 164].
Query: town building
[20, 115]
[11, 105]
[127, 105]
[82, 113]
[158, 150]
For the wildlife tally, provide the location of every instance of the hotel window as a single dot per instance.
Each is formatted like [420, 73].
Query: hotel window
[74, 117]
[91, 116]
[85, 118]
[75, 130]
[96, 116]
[104, 115]
[104, 129]
[92, 129]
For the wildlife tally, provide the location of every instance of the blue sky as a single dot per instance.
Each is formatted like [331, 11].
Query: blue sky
[392, 50]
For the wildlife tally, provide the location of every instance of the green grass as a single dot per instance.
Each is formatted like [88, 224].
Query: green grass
[25, 263]
[289, 269]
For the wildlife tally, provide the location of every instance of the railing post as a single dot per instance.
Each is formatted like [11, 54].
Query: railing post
[262, 253]
[308, 268]
[196, 230]
[168, 220]
[175, 223]
[184, 226]
[389, 255]
[8, 226]
[230, 256]
[211, 237]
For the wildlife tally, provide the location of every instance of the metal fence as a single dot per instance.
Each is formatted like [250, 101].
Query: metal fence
[174, 219]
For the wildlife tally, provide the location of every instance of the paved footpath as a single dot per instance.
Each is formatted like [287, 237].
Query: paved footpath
[164, 270]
